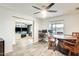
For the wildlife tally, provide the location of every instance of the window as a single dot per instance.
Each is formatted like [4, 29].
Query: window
[56, 27]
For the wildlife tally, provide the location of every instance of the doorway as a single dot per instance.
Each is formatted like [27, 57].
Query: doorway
[24, 31]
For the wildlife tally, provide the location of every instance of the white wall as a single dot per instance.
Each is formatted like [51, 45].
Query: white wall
[7, 27]
[71, 22]
[42, 24]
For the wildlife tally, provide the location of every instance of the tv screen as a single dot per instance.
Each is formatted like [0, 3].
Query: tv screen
[17, 29]
[44, 31]
[24, 29]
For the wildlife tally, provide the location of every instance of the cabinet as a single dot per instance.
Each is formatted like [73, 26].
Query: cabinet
[1, 47]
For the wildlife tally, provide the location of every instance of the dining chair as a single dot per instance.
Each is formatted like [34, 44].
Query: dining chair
[73, 47]
[75, 34]
[51, 42]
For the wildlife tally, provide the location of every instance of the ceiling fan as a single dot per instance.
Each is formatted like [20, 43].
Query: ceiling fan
[44, 8]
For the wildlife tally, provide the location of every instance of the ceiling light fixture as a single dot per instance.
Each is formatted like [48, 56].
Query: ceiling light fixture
[44, 13]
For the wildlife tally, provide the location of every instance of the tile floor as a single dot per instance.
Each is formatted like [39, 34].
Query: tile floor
[36, 49]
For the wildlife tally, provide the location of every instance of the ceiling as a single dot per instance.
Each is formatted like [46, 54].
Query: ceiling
[26, 8]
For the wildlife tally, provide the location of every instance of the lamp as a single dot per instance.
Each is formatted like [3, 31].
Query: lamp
[44, 13]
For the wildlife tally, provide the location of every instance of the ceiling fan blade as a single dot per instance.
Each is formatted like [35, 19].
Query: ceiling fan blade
[36, 12]
[36, 7]
[50, 5]
[52, 10]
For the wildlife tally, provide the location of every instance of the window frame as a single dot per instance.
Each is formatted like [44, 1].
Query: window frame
[55, 23]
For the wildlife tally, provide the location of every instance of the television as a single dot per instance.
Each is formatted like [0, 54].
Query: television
[17, 29]
[44, 31]
[24, 29]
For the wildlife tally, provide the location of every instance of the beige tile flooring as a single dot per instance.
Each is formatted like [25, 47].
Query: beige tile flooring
[36, 49]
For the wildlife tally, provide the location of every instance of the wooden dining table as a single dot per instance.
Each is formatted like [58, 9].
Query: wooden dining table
[64, 37]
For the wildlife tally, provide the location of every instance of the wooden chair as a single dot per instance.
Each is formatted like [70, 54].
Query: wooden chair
[72, 47]
[75, 48]
[51, 42]
[75, 34]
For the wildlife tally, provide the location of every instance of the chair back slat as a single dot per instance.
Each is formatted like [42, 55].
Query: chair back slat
[76, 34]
